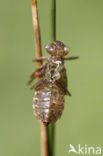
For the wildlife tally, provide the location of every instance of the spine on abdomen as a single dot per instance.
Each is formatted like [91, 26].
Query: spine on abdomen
[48, 105]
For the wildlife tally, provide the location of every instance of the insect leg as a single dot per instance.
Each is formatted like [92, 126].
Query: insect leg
[41, 58]
[39, 84]
[64, 89]
[70, 58]
[35, 74]
[69, 93]
[40, 68]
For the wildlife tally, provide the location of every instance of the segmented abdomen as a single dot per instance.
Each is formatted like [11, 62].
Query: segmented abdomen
[48, 104]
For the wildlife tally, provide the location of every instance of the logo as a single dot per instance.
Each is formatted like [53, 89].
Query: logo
[84, 149]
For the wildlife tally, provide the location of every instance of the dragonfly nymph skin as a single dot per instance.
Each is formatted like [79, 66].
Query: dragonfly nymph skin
[48, 104]
[48, 101]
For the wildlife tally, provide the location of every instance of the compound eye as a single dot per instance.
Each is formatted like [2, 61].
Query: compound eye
[50, 50]
[66, 49]
[47, 47]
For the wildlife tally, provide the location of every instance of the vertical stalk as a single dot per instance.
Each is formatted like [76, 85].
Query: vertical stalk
[54, 20]
[44, 135]
[36, 31]
[47, 134]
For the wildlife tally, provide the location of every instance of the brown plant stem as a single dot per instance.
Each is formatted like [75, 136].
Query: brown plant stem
[36, 31]
[44, 135]
[44, 140]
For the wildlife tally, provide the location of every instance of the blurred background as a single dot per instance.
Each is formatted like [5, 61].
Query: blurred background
[80, 26]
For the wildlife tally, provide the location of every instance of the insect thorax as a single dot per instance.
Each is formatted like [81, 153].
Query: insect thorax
[53, 69]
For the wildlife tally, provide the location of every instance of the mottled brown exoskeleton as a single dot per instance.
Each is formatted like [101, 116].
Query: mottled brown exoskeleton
[48, 101]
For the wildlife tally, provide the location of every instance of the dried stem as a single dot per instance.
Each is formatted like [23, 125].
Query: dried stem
[36, 31]
[44, 140]
[44, 135]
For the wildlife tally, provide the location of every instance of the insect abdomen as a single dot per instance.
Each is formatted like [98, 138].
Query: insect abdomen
[48, 104]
